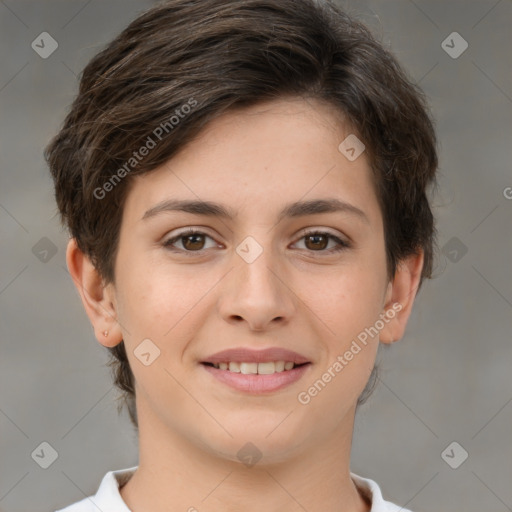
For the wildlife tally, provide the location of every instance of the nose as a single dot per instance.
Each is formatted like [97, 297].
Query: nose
[257, 293]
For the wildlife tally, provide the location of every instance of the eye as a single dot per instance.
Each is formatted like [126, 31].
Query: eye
[318, 241]
[192, 240]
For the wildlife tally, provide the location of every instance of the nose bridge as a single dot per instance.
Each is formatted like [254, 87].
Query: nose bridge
[257, 264]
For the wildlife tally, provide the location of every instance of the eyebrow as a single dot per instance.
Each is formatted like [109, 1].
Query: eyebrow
[297, 209]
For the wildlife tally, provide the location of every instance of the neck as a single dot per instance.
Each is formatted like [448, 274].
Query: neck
[181, 475]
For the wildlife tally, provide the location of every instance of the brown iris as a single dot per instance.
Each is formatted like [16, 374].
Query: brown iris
[316, 243]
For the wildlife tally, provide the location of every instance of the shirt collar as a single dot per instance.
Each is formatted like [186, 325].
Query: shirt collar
[108, 496]
[370, 489]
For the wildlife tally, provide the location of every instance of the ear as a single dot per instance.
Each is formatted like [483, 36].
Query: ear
[400, 296]
[98, 299]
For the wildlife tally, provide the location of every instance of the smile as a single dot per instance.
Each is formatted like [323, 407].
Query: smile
[257, 378]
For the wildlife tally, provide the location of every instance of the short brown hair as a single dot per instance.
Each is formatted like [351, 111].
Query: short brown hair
[221, 55]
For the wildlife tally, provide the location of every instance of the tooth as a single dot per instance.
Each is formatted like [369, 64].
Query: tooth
[279, 366]
[248, 368]
[266, 368]
[234, 367]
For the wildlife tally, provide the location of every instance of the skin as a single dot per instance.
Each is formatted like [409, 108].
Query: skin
[294, 295]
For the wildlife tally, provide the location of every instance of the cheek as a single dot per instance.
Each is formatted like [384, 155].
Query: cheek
[159, 302]
[349, 306]
[350, 299]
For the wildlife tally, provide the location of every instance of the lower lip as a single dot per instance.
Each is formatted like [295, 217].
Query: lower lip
[255, 383]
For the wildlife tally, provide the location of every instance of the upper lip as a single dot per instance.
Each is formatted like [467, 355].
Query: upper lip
[247, 355]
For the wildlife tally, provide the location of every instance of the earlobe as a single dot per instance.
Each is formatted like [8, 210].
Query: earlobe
[400, 297]
[98, 299]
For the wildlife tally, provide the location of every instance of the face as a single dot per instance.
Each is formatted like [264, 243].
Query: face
[272, 275]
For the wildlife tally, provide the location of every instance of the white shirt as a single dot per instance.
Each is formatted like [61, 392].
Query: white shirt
[108, 498]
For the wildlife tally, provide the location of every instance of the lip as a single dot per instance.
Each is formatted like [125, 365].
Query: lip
[257, 384]
[247, 355]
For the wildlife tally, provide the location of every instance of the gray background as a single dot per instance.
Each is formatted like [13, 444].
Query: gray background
[449, 379]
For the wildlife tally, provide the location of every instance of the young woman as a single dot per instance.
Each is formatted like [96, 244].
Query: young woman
[245, 183]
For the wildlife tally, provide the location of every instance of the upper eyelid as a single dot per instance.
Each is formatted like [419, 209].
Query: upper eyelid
[306, 231]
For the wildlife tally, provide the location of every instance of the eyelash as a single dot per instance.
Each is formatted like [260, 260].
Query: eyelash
[342, 245]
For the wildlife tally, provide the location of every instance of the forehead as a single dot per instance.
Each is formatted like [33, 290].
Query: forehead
[263, 156]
